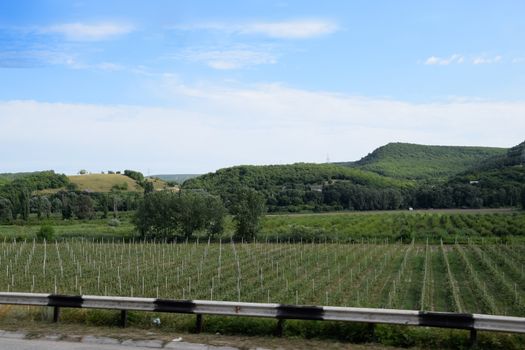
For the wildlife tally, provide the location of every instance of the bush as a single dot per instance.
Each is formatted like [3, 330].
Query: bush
[114, 222]
[46, 233]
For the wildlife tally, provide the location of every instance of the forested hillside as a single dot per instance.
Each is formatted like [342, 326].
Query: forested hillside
[421, 162]
[8, 177]
[296, 187]
[15, 196]
[179, 178]
[500, 180]
[418, 176]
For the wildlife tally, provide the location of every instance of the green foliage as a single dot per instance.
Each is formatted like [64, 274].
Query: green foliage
[120, 187]
[166, 215]
[46, 233]
[148, 187]
[18, 191]
[72, 186]
[6, 213]
[114, 222]
[8, 177]
[178, 178]
[499, 181]
[135, 175]
[292, 187]
[421, 162]
[401, 227]
[41, 206]
[247, 208]
[84, 207]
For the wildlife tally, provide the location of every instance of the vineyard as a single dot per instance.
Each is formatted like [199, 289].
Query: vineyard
[437, 226]
[480, 278]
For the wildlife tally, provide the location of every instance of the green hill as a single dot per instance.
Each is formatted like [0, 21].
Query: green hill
[104, 182]
[292, 187]
[421, 162]
[501, 172]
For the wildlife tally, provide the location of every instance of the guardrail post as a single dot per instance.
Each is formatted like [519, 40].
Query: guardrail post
[123, 318]
[372, 331]
[198, 323]
[280, 328]
[473, 340]
[56, 313]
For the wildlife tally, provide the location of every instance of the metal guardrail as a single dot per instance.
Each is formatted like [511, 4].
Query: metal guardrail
[472, 322]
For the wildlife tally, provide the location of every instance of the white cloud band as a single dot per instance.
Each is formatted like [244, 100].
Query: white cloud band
[89, 31]
[221, 126]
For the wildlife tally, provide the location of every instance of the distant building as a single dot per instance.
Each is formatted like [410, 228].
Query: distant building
[474, 182]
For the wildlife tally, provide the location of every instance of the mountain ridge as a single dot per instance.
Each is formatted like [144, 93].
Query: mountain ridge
[423, 162]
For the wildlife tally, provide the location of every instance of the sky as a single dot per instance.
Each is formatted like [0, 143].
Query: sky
[167, 86]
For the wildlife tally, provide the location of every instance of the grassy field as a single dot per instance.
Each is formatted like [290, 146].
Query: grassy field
[103, 182]
[437, 226]
[457, 277]
[449, 226]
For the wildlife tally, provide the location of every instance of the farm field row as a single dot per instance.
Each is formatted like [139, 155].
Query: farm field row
[485, 278]
[437, 226]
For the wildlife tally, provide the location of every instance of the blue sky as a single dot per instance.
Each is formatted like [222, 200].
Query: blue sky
[192, 86]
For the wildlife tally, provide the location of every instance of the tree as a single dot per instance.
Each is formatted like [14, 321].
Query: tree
[248, 208]
[200, 211]
[84, 208]
[148, 187]
[156, 215]
[24, 198]
[44, 207]
[165, 215]
[56, 205]
[41, 206]
[68, 204]
[6, 210]
[135, 175]
[115, 201]
[103, 203]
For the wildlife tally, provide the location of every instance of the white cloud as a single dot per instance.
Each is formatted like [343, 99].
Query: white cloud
[290, 29]
[458, 59]
[234, 58]
[223, 125]
[434, 60]
[518, 60]
[299, 29]
[487, 60]
[89, 32]
[109, 66]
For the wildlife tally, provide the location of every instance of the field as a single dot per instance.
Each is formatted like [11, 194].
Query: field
[449, 226]
[105, 183]
[488, 278]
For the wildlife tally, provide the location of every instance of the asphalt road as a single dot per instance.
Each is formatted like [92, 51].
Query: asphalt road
[30, 344]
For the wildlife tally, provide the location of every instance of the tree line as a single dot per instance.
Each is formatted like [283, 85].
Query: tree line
[169, 215]
[157, 214]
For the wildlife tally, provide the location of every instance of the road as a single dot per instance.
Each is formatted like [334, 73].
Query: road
[31, 344]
